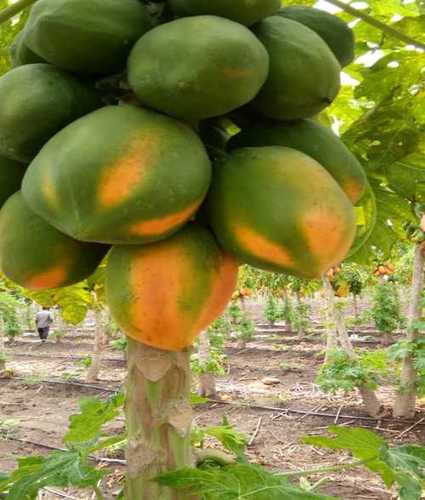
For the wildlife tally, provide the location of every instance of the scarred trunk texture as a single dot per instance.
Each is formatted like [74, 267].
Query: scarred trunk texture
[2, 349]
[331, 332]
[207, 385]
[405, 403]
[300, 331]
[99, 347]
[159, 418]
[356, 309]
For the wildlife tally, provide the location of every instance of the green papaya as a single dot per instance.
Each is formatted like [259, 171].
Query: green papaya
[315, 140]
[240, 11]
[334, 31]
[37, 101]
[304, 75]
[36, 255]
[88, 37]
[197, 67]
[20, 54]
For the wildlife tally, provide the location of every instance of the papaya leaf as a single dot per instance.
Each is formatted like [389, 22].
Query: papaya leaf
[401, 465]
[60, 468]
[236, 482]
[229, 437]
[413, 26]
[86, 426]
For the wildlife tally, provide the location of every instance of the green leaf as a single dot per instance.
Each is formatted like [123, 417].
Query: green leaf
[236, 482]
[229, 437]
[86, 426]
[61, 468]
[363, 444]
[196, 399]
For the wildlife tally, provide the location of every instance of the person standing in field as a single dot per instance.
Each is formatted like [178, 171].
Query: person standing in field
[43, 320]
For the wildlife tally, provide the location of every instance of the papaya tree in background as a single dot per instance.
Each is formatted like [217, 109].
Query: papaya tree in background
[381, 118]
[338, 339]
[386, 310]
[356, 278]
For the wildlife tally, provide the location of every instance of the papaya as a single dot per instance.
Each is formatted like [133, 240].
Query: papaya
[304, 76]
[37, 256]
[334, 31]
[164, 294]
[37, 100]
[240, 11]
[119, 175]
[86, 37]
[197, 67]
[315, 140]
[278, 209]
[11, 175]
[20, 54]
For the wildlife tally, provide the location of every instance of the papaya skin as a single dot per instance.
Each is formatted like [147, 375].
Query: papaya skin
[164, 294]
[139, 179]
[315, 140]
[36, 255]
[286, 214]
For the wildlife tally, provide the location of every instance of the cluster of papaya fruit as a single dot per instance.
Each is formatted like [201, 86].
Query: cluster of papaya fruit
[117, 129]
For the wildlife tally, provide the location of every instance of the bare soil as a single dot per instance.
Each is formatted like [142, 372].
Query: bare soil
[34, 413]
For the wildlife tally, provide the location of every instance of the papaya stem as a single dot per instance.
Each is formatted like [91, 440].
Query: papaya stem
[159, 418]
[377, 24]
[14, 9]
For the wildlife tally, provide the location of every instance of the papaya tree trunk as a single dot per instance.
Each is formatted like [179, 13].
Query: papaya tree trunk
[159, 417]
[99, 348]
[207, 385]
[369, 397]
[243, 303]
[331, 332]
[29, 315]
[356, 311]
[300, 330]
[287, 308]
[2, 346]
[405, 402]
[336, 316]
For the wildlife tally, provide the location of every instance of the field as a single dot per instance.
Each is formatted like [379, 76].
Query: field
[268, 393]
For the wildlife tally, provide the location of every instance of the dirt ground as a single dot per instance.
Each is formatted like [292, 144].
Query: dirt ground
[34, 413]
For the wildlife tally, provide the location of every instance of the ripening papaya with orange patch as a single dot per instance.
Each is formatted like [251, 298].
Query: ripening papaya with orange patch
[36, 255]
[138, 178]
[278, 209]
[121, 177]
[315, 140]
[224, 284]
[165, 293]
[163, 224]
[53, 278]
[324, 236]
[261, 247]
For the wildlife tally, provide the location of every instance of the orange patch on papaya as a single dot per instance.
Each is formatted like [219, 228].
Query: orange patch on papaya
[353, 190]
[224, 283]
[327, 236]
[157, 280]
[259, 246]
[49, 279]
[121, 177]
[163, 224]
